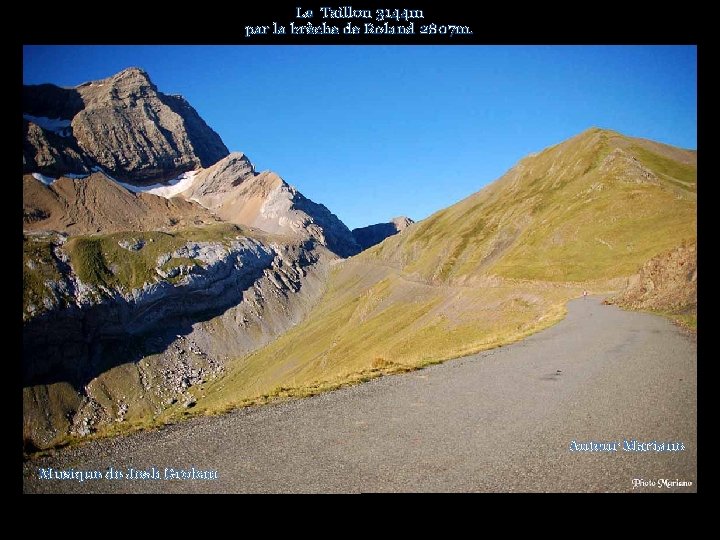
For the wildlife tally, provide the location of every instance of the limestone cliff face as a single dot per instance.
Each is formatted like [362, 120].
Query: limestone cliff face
[125, 128]
[122, 124]
[48, 152]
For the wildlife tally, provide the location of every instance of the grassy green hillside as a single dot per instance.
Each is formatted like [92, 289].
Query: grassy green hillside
[596, 206]
[382, 323]
[495, 267]
[100, 260]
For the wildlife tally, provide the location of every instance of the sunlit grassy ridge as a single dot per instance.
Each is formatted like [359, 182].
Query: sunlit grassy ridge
[582, 210]
[385, 323]
[489, 270]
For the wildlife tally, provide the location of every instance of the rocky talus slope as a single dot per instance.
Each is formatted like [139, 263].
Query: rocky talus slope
[97, 204]
[666, 283]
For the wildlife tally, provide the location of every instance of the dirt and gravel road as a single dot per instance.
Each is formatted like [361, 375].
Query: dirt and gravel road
[502, 420]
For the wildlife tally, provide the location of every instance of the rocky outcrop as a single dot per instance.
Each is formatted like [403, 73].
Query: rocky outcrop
[286, 209]
[667, 282]
[368, 236]
[98, 312]
[621, 164]
[236, 193]
[227, 187]
[122, 124]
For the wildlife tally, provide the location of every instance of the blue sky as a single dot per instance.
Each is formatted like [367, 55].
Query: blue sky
[378, 131]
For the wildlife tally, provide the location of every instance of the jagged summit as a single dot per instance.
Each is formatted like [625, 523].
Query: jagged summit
[130, 82]
[234, 191]
[132, 71]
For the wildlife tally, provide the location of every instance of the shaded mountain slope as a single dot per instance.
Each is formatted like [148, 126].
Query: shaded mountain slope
[366, 237]
[120, 328]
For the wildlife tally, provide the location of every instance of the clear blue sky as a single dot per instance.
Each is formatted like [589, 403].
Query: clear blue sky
[378, 131]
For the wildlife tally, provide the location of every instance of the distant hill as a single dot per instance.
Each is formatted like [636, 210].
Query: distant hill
[371, 235]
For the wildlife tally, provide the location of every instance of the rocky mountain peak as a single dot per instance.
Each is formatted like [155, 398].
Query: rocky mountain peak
[150, 141]
[215, 182]
[130, 76]
[132, 72]
[401, 222]
[128, 84]
[235, 192]
[121, 124]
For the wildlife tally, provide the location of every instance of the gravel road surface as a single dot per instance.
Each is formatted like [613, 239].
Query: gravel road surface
[503, 420]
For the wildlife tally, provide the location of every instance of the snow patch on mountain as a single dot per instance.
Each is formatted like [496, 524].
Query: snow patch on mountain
[60, 126]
